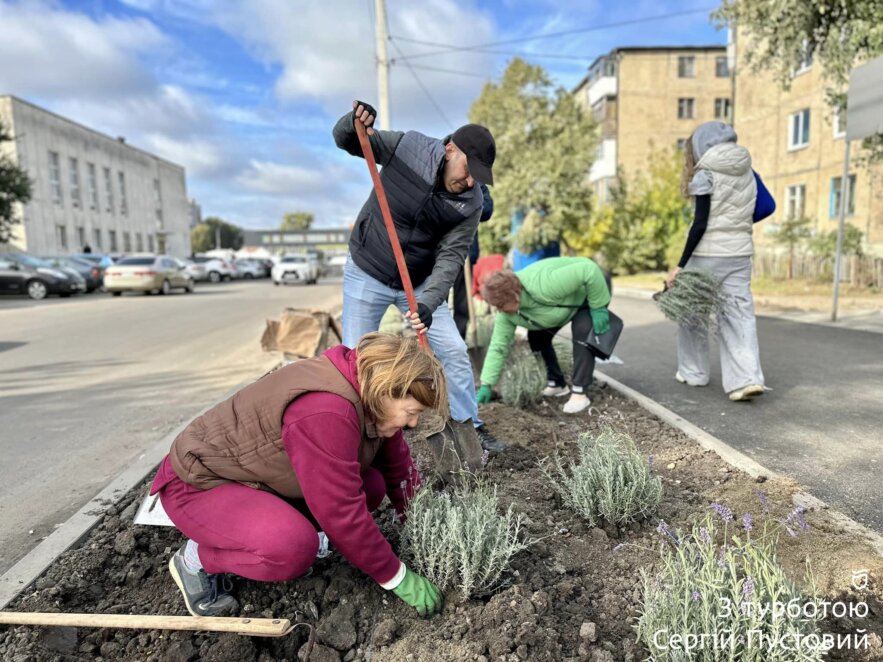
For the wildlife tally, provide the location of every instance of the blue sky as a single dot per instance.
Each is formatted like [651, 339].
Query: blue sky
[244, 93]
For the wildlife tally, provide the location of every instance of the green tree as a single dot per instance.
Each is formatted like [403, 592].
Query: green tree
[15, 188]
[643, 225]
[545, 145]
[825, 243]
[204, 236]
[298, 220]
[791, 233]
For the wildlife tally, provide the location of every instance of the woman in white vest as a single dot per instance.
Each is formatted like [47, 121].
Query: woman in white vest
[718, 175]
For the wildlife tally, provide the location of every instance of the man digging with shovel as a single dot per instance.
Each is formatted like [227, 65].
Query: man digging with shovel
[435, 205]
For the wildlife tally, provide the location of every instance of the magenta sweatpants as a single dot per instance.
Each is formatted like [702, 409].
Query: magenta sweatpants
[248, 532]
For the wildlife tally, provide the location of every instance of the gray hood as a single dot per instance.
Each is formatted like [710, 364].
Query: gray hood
[708, 135]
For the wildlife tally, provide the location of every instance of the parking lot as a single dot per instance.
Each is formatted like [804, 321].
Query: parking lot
[88, 382]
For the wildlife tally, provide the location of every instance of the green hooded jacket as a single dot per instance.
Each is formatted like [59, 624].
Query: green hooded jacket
[552, 290]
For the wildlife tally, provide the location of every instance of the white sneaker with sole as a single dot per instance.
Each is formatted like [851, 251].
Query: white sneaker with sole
[552, 391]
[746, 393]
[577, 403]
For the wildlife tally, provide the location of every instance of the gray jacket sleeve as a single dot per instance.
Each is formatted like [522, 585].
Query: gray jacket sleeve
[383, 143]
[449, 259]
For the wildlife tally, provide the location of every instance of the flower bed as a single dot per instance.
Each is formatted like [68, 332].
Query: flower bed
[574, 594]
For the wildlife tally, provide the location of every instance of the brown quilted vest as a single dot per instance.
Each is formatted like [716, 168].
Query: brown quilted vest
[240, 439]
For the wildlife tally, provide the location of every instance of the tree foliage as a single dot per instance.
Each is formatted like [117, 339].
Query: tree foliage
[642, 226]
[545, 145]
[790, 233]
[297, 220]
[203, 236]
[15, 188]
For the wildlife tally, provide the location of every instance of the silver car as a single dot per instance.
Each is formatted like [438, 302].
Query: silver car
[147, 273]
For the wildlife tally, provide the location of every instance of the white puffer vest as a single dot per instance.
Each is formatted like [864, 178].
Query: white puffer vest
[730, 220]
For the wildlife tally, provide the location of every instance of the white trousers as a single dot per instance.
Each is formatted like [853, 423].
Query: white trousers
[737, 329]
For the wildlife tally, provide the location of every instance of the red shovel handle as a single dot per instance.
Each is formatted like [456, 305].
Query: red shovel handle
[390, 227]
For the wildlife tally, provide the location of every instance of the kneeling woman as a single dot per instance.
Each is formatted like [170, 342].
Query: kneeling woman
[314, 446]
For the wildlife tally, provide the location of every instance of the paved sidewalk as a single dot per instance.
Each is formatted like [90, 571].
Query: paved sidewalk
[822, 423]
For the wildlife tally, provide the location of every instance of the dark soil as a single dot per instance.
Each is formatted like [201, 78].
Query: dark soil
[571, 595]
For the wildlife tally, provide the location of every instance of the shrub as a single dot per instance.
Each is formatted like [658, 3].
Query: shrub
[695, 299]
[459, 540]
[722, 591]
[610, 482]
[523, 379]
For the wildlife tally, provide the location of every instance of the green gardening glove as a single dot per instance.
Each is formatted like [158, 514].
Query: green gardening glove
[600, 320]
[420, 593]
[484, 394]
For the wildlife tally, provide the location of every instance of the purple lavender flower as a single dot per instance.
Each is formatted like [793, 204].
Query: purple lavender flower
[650, 460]
[764, 499]
[667, 531]
[485, 457]
[704, 536]
[747, 589]
[747, 522]
[724, 511]
[796, 519]
[696, 596]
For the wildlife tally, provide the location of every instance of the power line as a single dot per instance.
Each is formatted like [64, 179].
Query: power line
[547, 35]
[424, 88]
[527, 54]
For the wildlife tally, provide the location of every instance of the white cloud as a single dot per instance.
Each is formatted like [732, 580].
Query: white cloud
[280, 179]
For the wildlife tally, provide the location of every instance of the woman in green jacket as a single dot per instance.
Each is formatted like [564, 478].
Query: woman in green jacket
[543, 298]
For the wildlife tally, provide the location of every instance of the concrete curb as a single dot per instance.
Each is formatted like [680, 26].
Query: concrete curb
[740, 461]
[78, 526]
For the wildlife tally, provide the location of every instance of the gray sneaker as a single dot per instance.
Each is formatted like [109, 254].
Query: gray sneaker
[204, 594]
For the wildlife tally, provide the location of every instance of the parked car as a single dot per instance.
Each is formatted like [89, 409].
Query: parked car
[21, 273]
[295, 268]
[218, 269]
[249, 269]
[197, 270]
[92, 274]
[147, 273]
[103, 261]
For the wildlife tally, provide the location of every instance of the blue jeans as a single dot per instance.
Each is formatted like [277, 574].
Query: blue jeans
[365, 300]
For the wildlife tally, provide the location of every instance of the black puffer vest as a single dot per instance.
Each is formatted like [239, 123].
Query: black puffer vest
[421, 215]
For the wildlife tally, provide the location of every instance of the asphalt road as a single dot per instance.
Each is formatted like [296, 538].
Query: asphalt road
[822, 423]
[88, 383]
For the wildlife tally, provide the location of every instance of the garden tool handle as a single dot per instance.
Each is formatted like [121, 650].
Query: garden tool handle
[390, 227]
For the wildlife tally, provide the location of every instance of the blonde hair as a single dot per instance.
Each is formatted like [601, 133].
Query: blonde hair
[395, 367]
[689, 167]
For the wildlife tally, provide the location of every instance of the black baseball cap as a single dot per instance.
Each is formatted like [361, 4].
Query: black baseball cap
[477, 143]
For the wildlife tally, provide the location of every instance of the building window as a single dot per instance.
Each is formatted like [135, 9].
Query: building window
[75, 181]
[124, 205]
[127, 242]
[722, 108]
[794, 197]
[609, 67]
[112, 234]
[81, 236]
[798, 131]
[834, 197]
[150, 243]
[721, 66]
[96, 237]
[108, 190]
[157, 196]
[61, 236]
[139, 243]
[93, 186]
[805, 60]
[839, 123]
[55, 177]
[685, 108]
[686, 66]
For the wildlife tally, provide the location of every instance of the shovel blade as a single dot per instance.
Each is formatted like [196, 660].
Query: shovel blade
[456, 449]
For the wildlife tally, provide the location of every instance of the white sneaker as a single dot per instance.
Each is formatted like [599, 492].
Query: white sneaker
[578, 402]
[552, 391]
[680, 377]
[746, 392]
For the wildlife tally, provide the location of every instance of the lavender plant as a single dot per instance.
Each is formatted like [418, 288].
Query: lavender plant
[721, 585]
[695, 299]
[523, 379]
[611, 481]
[459, 539]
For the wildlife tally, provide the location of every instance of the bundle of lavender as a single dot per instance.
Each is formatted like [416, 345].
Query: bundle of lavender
[696, 299]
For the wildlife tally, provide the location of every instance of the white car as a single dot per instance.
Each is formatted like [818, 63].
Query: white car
[295, 269]
[217, 269]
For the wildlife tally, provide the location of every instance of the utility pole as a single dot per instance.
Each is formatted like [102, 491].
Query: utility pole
[382, 63]
[217, 236]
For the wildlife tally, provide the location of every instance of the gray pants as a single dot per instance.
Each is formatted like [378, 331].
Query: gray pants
[737, 330]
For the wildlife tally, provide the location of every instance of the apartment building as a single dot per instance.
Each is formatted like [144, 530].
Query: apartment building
[796, 142]
[651, 98]
[92, 189]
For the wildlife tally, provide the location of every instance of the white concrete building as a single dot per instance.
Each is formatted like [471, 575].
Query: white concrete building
[91, 189]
